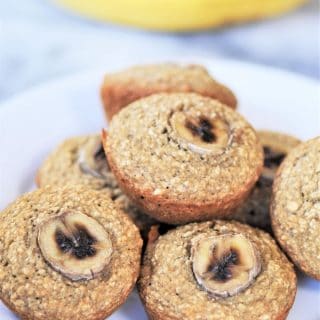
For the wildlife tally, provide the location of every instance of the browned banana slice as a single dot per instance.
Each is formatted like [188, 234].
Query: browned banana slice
[75, 245]
[202, 134]
[224, 265]
[92, 160]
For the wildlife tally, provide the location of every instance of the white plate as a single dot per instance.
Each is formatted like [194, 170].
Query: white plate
[33, 123]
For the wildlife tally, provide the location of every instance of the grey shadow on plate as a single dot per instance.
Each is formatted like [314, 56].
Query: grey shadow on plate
[304, 281]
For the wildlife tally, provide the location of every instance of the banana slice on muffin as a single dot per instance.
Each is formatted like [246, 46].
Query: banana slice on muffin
[67, 253]
[216, 270]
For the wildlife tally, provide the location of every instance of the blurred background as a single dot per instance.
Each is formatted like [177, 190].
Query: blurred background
[41, 40]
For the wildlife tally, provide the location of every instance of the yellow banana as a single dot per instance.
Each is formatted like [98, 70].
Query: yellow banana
[179, 15]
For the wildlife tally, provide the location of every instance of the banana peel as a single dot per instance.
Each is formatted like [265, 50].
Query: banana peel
[179, 15]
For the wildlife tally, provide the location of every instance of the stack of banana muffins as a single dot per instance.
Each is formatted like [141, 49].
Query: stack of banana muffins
[180, 195]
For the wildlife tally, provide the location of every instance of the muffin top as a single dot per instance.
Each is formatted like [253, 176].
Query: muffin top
[124, 87]
[66, 253]
[216, 270]
[184, 146]
[78, 160]
[295, 209]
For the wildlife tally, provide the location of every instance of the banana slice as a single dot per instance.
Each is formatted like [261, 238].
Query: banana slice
[202, 134]
[272, 160]
[272, 157]
[75, 245]
[92, 160]
[224, 265]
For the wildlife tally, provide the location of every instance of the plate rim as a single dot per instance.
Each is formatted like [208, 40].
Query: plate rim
[17, 100]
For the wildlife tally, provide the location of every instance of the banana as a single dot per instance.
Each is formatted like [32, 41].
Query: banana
[272, 160]
[224, 265]
[202, 134]
[92, 160]
[179, 15]
[75, 245]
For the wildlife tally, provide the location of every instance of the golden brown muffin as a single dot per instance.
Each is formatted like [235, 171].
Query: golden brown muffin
[67, 253]
[216, 270]
[183, 157]
[255, 210]
[121, 88]
[295, 206]
[82, 161]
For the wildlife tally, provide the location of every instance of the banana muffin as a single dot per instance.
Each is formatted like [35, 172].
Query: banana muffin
[183, 157]
[295, 206]
[255, 210]
[67, 253]
[82, 161]
[216, 270]
[121, 88]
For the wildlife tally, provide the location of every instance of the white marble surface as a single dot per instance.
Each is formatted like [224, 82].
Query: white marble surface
[39, 42]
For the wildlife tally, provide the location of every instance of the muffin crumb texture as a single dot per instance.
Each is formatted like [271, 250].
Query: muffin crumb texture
[169, 290]
[295, 210]
[157, 166]
[122, 88]
[33, 289]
